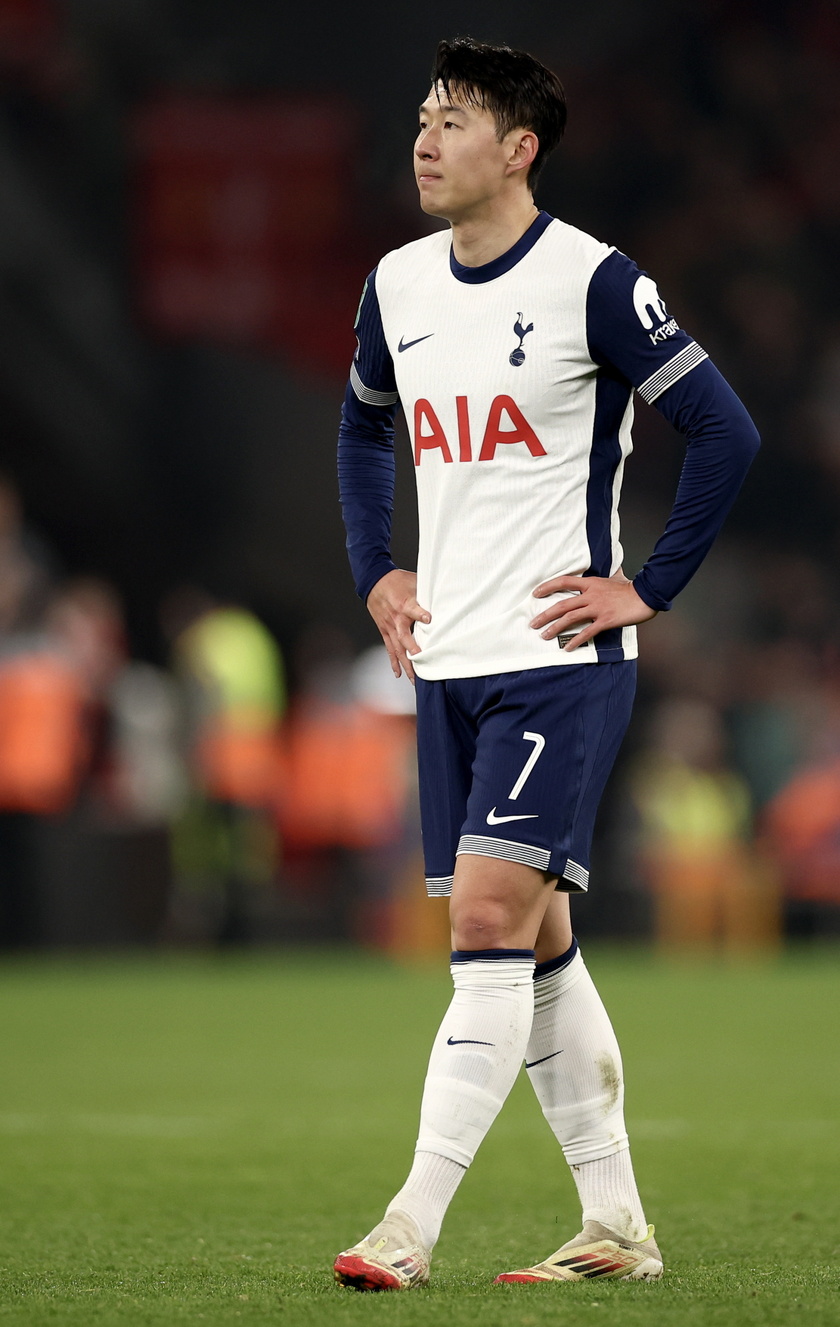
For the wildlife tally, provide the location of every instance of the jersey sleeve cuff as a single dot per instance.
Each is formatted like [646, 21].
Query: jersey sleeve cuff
[373, 576]
[649, 596]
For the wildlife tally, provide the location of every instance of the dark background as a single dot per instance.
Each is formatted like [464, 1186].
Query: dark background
[191, 195]
[701, 140]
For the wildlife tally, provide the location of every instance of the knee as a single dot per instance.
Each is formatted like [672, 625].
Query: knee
[496, 904]
[480, 925]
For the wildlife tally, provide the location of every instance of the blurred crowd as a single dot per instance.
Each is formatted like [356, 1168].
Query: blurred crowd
[225, 793]
[718, 168]
[191, 803]
[199, 803]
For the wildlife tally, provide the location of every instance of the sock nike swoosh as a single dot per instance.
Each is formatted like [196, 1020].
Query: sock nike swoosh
[543, 1060]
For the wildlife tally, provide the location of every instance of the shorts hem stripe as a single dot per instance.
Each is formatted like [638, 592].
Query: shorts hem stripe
[577, 874]
[438, 886]
[524, 853]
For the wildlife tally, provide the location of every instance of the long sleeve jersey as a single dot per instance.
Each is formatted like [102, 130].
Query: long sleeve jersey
[517, 382]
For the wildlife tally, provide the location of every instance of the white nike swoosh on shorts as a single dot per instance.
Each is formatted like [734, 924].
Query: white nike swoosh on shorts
[493, 819]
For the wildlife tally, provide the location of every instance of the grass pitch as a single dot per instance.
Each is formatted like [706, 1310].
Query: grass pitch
[193, 1139]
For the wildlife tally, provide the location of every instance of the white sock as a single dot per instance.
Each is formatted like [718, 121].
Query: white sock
[475, 1059]
[427, 1193]
[608, 1193]
[574, 1065]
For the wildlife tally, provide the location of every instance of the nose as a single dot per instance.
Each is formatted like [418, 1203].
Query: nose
[426, 147]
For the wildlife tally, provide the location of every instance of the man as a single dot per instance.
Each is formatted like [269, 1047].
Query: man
[514, 343]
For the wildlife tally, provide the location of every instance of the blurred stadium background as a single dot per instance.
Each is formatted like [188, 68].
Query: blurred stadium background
[199, 743]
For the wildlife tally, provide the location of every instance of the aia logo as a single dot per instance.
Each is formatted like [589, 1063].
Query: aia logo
[517, 356]
[429, 433]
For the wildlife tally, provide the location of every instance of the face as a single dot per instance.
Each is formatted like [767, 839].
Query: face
[460, 165]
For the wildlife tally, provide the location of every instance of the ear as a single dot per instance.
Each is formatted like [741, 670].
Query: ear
[524, 147]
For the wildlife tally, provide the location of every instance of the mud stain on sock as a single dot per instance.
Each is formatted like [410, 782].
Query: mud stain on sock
[610, 1081]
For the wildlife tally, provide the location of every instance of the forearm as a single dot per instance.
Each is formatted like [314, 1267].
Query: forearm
[722, 441]
[366, 488]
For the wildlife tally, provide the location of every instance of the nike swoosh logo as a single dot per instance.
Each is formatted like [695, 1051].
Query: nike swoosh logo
[543, 1060]
[493, 819]
[465, 1041]
[406, 345]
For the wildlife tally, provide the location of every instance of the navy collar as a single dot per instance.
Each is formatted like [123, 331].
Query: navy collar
[474, 276]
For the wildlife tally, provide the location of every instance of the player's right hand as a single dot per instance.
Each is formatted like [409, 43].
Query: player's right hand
[393, 605]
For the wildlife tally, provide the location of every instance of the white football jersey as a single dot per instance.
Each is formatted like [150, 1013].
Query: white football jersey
[516, 380]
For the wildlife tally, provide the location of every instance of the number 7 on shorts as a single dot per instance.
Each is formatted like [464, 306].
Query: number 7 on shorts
[527, 768]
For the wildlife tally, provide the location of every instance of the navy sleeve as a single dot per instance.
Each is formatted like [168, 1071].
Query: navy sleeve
[366, 448]
[722, 441]
[629, 328]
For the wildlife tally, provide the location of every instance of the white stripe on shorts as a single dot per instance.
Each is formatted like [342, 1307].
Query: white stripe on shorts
[503, 848]
[577, 875]
[438, 886]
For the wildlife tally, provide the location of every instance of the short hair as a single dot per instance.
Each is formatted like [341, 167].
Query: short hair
[518, 91]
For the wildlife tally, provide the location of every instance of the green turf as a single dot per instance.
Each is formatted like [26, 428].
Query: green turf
[192, 1140]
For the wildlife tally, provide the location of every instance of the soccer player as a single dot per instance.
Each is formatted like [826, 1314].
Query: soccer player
[514, 343]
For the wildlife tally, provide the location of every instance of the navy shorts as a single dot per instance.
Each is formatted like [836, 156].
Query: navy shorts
[513, 765]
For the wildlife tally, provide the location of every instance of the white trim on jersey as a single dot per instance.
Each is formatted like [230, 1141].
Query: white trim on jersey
[367, 394]
[676, 368]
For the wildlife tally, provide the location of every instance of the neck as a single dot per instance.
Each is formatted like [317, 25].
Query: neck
[477, 240]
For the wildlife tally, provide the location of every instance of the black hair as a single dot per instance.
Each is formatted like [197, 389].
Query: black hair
[518, 91]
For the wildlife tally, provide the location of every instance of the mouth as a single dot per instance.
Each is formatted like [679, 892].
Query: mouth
[426, 178]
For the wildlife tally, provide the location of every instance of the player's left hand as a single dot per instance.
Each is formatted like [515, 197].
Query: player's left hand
[599, 602]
